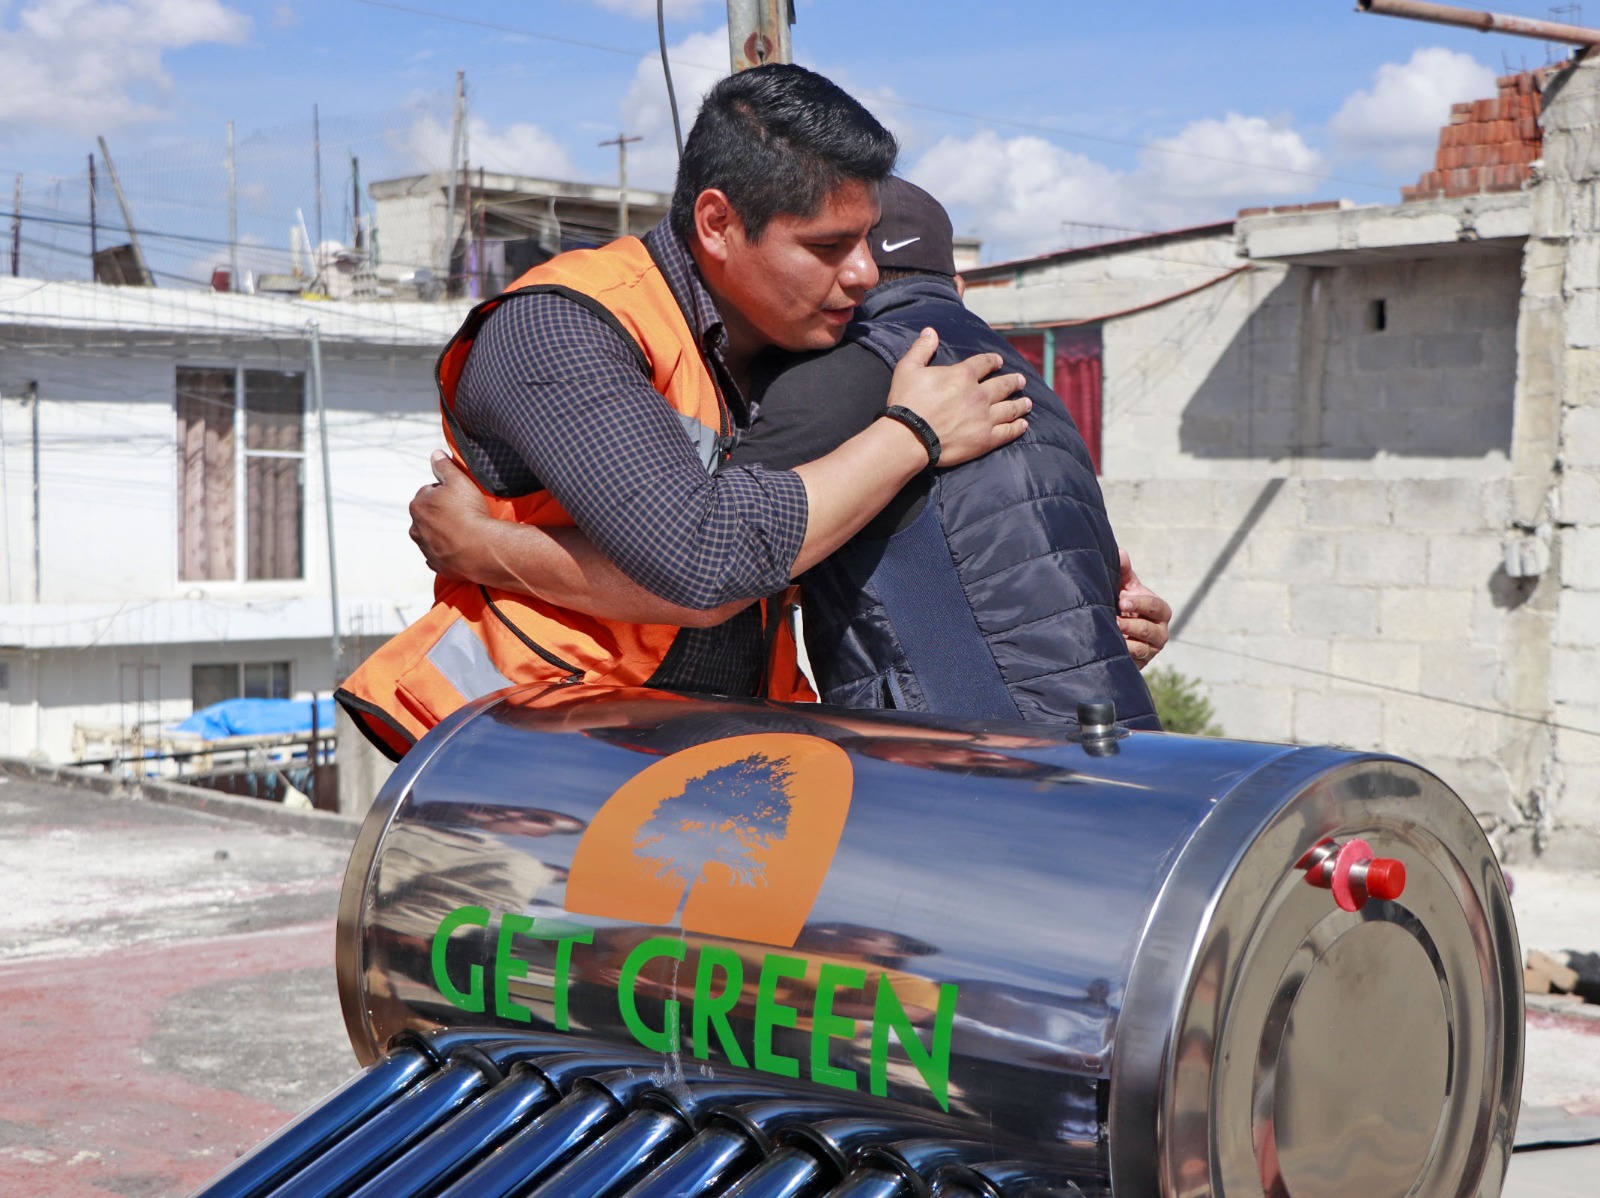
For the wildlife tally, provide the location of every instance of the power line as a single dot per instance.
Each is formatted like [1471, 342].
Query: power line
[1484, 708]
[499, 28]
[983, 118]
[192, 238]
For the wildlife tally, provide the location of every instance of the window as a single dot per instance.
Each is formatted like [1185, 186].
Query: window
[213, 683]
[1068, 359]
[226, 482]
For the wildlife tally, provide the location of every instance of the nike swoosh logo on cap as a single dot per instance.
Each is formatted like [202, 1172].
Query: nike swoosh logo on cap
[899, 245]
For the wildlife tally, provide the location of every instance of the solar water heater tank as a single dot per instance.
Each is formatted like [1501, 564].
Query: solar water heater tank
[1028, 961]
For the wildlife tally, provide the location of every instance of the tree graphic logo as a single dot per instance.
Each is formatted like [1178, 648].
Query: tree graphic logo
[731, 838]
[730, 816]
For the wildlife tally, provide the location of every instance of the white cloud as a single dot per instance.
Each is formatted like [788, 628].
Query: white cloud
[89, 66]
[1397, 119]
[519, 149]
[1016, 192]
[1232, 159]
[1025, 195]
[697, 63]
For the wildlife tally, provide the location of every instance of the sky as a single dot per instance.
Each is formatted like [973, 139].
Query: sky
[1040, 123]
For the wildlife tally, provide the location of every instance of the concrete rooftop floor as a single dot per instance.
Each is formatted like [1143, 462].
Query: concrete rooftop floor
[167, 979]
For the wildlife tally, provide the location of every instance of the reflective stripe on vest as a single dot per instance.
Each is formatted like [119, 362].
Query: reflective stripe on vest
[464, 661]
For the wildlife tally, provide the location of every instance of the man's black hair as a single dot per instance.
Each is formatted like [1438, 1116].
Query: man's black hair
[778, 139]
[893, 274]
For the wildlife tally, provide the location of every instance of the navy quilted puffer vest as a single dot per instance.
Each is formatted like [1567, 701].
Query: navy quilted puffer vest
[998, 601]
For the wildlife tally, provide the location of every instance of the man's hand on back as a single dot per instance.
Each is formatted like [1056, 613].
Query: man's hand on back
[1143, 616]
[970, 412]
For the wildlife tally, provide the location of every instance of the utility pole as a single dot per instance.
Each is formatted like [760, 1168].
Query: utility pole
[481, 279]
[38, 540]
[758, 32]
[314, 335]
[621, 141]
[146, 279]
[233, 217]
[450, 187]
[94, 226]
[316, 250]
[16, 228]
[469, 260]
[355, 203]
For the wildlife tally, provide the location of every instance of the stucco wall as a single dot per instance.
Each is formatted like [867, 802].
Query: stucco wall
[109, 587]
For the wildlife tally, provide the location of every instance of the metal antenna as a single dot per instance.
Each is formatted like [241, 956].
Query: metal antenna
[233, 217]
[94, 224]
[16, 227]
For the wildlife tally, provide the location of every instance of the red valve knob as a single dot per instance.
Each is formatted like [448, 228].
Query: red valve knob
[1386, 878]
[1352, 873]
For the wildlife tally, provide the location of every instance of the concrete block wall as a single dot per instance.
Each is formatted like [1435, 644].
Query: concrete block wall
[1216, 369]
[1433, 383]
[1357, 612]
[1565, 203]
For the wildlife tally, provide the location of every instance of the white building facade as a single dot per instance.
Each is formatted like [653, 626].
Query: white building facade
[162, 508]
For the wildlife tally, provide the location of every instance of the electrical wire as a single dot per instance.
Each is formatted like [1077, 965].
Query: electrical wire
[666, 69]
[1483, 708]
[982, 118]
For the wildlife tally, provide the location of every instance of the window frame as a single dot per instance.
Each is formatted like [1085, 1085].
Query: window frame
[240, 670]
[240, 575]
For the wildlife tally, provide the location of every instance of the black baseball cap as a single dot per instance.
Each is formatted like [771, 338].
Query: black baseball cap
[914, 232]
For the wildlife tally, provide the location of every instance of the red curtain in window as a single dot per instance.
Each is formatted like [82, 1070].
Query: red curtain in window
[1076, 378]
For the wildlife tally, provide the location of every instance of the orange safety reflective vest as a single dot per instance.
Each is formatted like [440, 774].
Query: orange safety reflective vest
[475, 640]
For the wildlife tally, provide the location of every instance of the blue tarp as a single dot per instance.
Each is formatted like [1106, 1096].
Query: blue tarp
[257, 717]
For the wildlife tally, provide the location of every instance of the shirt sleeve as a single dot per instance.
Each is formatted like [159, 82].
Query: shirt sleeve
[814, 403]
[551, 384]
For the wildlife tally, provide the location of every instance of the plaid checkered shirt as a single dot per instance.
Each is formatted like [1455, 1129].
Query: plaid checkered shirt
[553, 397]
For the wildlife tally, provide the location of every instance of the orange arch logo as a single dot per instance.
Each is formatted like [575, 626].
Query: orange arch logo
[733, 838]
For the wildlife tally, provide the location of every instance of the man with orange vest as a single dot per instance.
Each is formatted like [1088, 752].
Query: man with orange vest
[598, 399]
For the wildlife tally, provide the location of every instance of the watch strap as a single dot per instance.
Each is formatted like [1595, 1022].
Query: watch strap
[918, 425]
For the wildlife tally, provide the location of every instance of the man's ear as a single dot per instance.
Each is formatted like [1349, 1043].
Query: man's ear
[715, 222]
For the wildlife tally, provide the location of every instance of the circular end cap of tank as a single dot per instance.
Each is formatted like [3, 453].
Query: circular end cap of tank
[1313, 1050]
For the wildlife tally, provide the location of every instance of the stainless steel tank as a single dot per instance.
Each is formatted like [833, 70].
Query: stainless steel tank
[1209, 967]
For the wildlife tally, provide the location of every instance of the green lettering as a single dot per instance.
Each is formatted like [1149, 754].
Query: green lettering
[825, 1025]
[507, 967]
[472, 999]
[933, 1062]
[666, 1040]
[771, 1013]
[565, 935]
[712, 1012]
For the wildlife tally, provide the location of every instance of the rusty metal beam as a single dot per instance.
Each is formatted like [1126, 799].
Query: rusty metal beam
[1484, 22]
